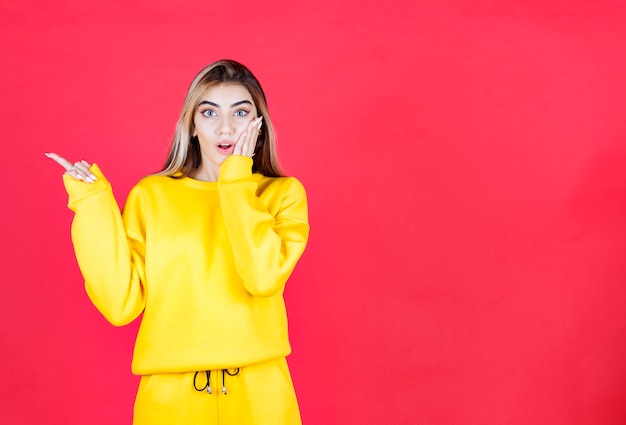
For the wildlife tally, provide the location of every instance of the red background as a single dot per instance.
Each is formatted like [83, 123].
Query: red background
[465, 168]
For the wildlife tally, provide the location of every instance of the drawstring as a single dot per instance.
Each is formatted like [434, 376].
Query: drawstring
[224, 380]
[207, 386]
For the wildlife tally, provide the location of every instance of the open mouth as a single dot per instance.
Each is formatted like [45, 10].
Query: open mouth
[225, 148]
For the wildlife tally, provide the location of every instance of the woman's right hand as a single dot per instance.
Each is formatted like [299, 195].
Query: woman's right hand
[78, 170]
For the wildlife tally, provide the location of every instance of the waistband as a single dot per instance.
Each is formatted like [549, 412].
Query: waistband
[207, 385]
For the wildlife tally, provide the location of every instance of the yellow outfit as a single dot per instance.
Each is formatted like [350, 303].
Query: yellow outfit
[206, 263]
[259, 394]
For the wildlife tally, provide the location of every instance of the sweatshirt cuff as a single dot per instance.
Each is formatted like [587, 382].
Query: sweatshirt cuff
[78, 189]
[235, 167]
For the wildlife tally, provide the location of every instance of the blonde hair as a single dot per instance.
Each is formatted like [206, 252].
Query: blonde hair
[184, 152]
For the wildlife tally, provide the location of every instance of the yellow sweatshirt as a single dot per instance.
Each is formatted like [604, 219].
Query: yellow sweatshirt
[206, 263]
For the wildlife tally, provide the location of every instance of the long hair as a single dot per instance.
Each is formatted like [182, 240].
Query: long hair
[184, 152]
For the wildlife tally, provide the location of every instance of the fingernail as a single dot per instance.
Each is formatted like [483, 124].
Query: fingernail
[47, 154]
[94, 178]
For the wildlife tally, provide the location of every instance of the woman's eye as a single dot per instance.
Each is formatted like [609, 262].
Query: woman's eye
[241, 113]
[208, 113]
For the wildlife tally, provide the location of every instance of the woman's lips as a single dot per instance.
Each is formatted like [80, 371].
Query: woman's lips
[225, 148]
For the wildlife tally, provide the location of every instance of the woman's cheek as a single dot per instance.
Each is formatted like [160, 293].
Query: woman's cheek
[240, 130]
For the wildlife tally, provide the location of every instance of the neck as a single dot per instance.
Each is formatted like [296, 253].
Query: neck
[205, 174]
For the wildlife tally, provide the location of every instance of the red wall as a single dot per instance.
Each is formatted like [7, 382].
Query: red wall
[465, 163]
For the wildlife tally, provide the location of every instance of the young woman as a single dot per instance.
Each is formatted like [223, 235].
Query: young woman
[203, 249]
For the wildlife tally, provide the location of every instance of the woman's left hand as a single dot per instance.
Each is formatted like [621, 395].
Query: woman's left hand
[247, 140]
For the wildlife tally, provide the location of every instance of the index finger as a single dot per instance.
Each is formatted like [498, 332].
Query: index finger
[60, 160]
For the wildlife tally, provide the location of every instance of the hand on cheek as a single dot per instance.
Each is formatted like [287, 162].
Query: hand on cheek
[247, 140]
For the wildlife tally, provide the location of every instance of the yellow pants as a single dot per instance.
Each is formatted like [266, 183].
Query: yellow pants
[260, 394]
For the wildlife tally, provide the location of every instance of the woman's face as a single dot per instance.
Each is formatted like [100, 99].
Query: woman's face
[223, 114]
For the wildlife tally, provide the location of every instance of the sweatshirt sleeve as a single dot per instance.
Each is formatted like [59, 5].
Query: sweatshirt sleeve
[266, 245]
[110, 262]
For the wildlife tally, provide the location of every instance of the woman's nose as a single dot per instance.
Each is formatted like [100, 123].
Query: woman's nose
[226, 126]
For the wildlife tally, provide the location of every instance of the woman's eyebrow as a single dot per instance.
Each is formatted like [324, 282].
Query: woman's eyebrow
[208, 102]
[241, 102]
